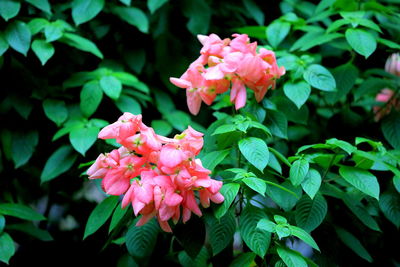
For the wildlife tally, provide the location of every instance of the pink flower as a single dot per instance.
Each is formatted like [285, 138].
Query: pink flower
[127, 125]
[393, 64]
[387, 97]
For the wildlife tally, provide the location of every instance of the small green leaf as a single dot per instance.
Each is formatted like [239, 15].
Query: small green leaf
[361, 41]
[391, 130]
[153, 5]
[127, 103]
[211, 160]
[319, 77]
[284, 195]
[298, 171]
[7, 247]
[83, 138]
[43, 50]
[277, 123]
[266, 225]
[3, 44]
[85, 10]
[36, 25]
[140, 240]
[59, 162]
[346, 146]
[291, 258]
[134, 16]
[53, 31]
[229, 191]
[20, 211]
[179, 120]
[297, 92]
[162, 127]
[226, 128]
[361, 179]
[396, 183]
[22, 147]
[118, 214]
[256, 184]
[280, 219]
[254, 11]
[43, 5]
[55, 110]
[277, 31]
[303, 235]
[9, 9]
[111, 86]
[100, 214]
[390, 206]
[32, 230]
[311, 183]
[310, 213]
[221, 231]
[282, 231]
[90, 96]
[360, 211]
[353, 243]
[18, 36]
[81, 43]
[255, 150]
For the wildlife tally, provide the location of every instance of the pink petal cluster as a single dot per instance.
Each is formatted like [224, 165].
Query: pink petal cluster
[159, 176]
[391, 102]
[228, 63]
[393, 64]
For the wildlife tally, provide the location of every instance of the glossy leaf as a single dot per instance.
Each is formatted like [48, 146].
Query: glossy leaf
[85, 10]
[43, 50]
[277, 31]
[7, 247]
[297, 92]
[229, 191]
[304, 236]
[59, 162]
[153, 5]
[83, 138]
[22, 147]
[134, 16]
[18, 37]
[255, 150]
[127, 103]
[9, 9]
[390, 206]
[81, 43]
[361, 41]
[311, 183]
[221, 231]
[310, 212]
[256, 184]
[90, 98]
[291, 258]
[319, 77]
[212, 159]
[391, 130]
[361, 179]
[298, 171]
[55, 110]
[20, 211]
[43, 5]
[353, 243]
[111, 86]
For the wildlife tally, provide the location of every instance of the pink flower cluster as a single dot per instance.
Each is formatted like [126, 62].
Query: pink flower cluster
[157, 175]
[228, 63]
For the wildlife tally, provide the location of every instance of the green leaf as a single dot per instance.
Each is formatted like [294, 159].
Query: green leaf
[83, 138]
[282, 231]
[140, 240]
[53, 31]
[266, 225]
[20, 211]
[153, 5]
[111, 86]
[179, 120]
[277, 31]
[311, 183]
[118, 214]
[319, 77]
[274, 163]
[211, 160]
[391, 130]
[81, 43]
[256, 184]
[361, 41]
[280, 219]
[257, 240]
[389, 43]
[162, 127]
[100, 214]
[390, 206]
[9, 9]
[258, 32]
[229, 191]
[361, 179]
[346, 146]
[3, 44]
[127, 103]
[361, 212]
[134, 16]
[18, 36]
[254, 11]
[290, 257]
[345, 77]
[310, 212]
[30, 229]
[43, 50]
[396, 183]
[353, 243]
[255, 150]
[85, 10]
[303, 235]
[277, 123]
[55, 110]
[298, 171]
[199, 14]
[59, 162]
[221, 231]
[286, 199]
[226, 128]
[90, 96]
[244, 260]
[36, 25]
[43, 5]
[22, 147]
[262, 127]
[2, 223]
[297, 92]
[7, 247]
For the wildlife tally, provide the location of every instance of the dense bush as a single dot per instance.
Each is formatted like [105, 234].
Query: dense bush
[312, 168]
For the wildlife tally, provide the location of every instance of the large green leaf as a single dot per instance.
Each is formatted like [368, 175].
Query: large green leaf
[153, 5]
[254, 11]
[311, 183]
[127, 103]
[7, 247]
[83, 138]
[390, 206]
[43, 5]
[277, 31]
[18, 37]
[118, 214]
[90, 96]
[221, 231]
[290, 257]
[391, 129]
[298, 171]
[286, 199]
[229, 191]
[345, 77]
[9, 9]
[59, 162]
[256, 184]
[20, 211]
[111, 86]
[22, 147]
[255, 150]
[43, 50]
[163, 128]
[297, 92]
[256, 239]
[361, 41]
[277, 123]
[360, 211]
[310, 212]
[134, 16]
[319, 77]
[244, 260]
[361, 179]
[100, 214]
[81, 43]
[85, 10]
[30, 229]
[55, 110]
[199, 14]
[140, 240]
[212, 159]
[303, 235]
[353, 243]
